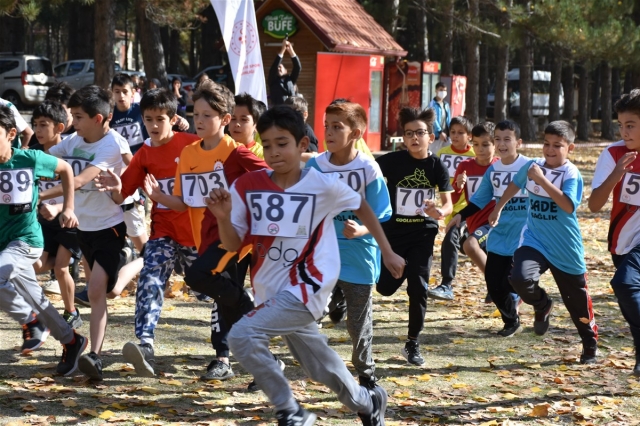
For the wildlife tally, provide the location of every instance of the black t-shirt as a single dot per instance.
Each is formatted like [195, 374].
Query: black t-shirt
[313, 140]
[411, 181]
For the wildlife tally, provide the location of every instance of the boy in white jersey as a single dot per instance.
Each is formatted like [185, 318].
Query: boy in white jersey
[286, 214]
[551, 237]
[359, 254]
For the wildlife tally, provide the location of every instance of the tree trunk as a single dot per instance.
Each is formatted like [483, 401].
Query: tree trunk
[595, 93]
[583, 103]
[136, 43]
[567, 88]
[81, 34]
[528, 131]
[447, 48]
[607, 124]
[193, 65]
[164, 36]
[210, 53]
[628, 81]
[473, 68]
[151, 45]
[554, 88]
[389, 18]
[483, 86]
[174, 52]
[105, 39]
[615, 83]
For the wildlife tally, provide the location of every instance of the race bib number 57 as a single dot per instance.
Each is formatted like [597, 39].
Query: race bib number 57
[410, 201]
[277, 214]
[16, 186]
[196, 186]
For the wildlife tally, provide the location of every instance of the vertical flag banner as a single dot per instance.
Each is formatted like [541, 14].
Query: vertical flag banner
[237, 20]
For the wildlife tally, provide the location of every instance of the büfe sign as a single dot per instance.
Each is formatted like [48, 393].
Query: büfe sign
[279, 23]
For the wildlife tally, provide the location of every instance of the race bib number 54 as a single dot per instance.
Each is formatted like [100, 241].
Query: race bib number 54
[277, 214]
[196, 186]
[16, 186]
[410, 201]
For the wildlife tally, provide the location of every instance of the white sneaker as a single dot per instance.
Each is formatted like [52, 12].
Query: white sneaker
[51, 287]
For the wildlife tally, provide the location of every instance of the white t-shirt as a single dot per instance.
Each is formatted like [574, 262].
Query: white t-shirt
[95, 210]
[20, 123]
[125, 149]
[291, 231]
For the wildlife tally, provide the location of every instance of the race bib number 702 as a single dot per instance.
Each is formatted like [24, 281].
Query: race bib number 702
[281, 214]
[410, 201]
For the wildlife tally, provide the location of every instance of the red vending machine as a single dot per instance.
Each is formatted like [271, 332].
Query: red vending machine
[430, 77]
[456, 89]
[404, 90]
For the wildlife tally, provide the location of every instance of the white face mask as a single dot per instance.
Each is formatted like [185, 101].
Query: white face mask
[441, 94]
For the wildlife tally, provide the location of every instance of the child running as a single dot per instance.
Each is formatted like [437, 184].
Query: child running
[21, 244]
[289, 211]
[242, 127]
[551, 238]
[359, 252]
[412, 178]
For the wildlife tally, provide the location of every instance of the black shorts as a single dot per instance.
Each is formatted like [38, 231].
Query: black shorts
[55, 235]
[481, 234]
[105, 247]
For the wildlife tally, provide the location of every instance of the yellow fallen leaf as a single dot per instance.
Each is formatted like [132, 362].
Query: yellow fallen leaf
[495, 314]
[106, 415]
[424, 378]
[170, 308]
[458, 341]
[460, 385]
[489, 423]
[171, 382]
[533, 366]
[582, 412]
[585, 320]
[512, 350]
[69, 403]
[29, 362]
[535, 389]
[540, 410]
[480, 349]
[510, 395]
[401, 381]
[480, 399]
[149, 389]
[225, 401]
[89, 412]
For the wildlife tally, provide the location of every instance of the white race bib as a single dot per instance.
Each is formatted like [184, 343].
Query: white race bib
[43, 185]
[131, 132]
[196, 186]
[473, 183]
[281, 214]
[556, 177]
[78, 164]
[630, 192]
[451, 162]
[16, 186]
[500, 181]
[166, 187]
[355, 179]
[410, 201]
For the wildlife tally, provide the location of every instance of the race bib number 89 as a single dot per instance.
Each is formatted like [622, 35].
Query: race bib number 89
[410, 201]
[43, 185]
[630, 193]
[16, 186]
[277, 214]
[196, 186]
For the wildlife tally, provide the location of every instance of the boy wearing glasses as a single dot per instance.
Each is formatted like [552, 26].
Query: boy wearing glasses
[412, 177]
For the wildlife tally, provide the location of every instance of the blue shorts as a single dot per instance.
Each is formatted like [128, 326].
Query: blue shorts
[627, 267]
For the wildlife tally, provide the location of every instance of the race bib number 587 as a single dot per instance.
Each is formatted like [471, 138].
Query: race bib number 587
[277, 214]
[16, 186]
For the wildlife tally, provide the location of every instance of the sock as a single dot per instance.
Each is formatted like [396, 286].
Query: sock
[74, 312]
[146, 341]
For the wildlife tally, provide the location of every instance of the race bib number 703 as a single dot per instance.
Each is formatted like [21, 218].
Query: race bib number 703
[196, 186]
[16, 186]
[281, 214]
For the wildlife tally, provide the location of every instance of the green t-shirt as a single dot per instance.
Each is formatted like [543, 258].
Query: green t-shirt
[19, 196]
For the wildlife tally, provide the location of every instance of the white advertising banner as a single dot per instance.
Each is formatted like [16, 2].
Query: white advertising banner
[237, 20]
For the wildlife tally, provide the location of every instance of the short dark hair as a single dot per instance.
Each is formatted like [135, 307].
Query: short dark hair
[462, 121]
[218, 97]
[509, 125]
[409, 114]
[629, 102]
[298, 103]
[7, 120]
[561, 129]
[285, 118]
[160, 99]
[176, 78]
[353, 113]
[61, 92]
[484, 128]
[121, 79]
[93, 100]
[53, 110]
[440, 84]
[246, 100]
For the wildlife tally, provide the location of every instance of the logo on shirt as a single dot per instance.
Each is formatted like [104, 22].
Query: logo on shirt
[191, 168]
[219, 165]
[273, 228]
[536, 189]
[417, 180]
[6, 198]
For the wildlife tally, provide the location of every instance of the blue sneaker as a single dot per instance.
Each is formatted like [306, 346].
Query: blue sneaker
[82, 298]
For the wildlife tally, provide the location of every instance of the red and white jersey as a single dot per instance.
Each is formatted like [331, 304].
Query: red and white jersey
[294, 243]
[624, 229]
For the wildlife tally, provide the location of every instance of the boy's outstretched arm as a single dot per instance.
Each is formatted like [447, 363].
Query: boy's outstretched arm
[152, 188]
[219, 203]
[393, 262]
[68, 218]
[508, 194]
[560, 198]
[600, 195]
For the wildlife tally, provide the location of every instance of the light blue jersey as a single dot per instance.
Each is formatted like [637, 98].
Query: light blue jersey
[505, 237]
[359, 257]
[549, 229]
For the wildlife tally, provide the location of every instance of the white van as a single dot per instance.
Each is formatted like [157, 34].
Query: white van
[541, 83]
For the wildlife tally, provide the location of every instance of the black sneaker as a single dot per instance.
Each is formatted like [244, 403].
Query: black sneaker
[217, 370]
[376, 418]
[442, 292]
[541, 322]
[338, 313]
[253, 386]
[411, 352]
[488, 299]
[510, 329]
[70, 354]
[82, 298]
[141, 356]
[34, 335]
[589, 355]
[367, 382]
[301, 418]
[74, 321]
[91, 365]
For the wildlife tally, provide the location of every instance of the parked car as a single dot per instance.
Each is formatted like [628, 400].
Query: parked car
[78, 73]
[540, 90]
[24, 79]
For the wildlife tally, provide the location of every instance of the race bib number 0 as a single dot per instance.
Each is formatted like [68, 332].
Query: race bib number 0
[43, 185]
[410, 201]
[16, 186]
[451, 162]
[166, 187]
[196, 186]
[630, 193]
[131, 132]
[355, 179]
[276, 214]
[556, 177]
[473, 183]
